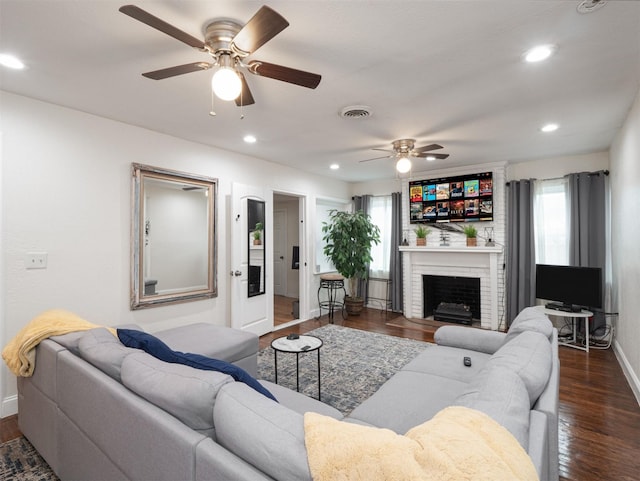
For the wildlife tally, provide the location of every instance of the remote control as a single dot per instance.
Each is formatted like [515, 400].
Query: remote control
[467, 361]
[306, 348]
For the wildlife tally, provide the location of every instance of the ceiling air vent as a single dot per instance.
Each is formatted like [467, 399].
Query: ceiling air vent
[588, 6]
[355, 112]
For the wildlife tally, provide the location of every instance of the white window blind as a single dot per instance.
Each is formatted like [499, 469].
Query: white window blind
[380, 212]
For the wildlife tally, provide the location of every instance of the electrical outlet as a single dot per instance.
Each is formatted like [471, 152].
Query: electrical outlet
[35, 260]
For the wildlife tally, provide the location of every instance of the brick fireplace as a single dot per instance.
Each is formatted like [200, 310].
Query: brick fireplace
[459, 262]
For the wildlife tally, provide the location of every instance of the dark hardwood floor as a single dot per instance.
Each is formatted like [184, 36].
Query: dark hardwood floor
[599, 415]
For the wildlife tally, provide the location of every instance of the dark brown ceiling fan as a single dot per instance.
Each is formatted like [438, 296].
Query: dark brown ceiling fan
[229, 44]
[406, 149]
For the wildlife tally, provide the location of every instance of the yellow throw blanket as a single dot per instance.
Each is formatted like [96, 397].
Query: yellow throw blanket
[20, 353]
[457, 444]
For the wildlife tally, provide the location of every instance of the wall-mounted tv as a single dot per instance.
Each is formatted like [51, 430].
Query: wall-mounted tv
[463, 198]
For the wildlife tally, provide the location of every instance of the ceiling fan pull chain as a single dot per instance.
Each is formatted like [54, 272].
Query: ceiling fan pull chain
[212, 112]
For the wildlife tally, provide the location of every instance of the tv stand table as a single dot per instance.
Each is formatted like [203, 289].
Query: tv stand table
[575, 318]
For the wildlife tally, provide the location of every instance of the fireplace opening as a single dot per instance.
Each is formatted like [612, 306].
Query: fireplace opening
[451, 298]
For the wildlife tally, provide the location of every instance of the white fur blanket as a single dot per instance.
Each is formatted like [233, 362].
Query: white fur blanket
[457, 444]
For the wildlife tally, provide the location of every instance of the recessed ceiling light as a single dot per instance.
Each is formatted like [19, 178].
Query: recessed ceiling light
[539, 53]
[250, 139]
[334, 166]
[430, 158]
[549, 128]
[11, 61]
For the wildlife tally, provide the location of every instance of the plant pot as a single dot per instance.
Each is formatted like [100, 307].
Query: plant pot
[421, 241]
[257, 242]
[353, 305]
[472, 241]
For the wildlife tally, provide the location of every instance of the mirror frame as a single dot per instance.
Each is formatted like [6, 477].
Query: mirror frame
[138, 298]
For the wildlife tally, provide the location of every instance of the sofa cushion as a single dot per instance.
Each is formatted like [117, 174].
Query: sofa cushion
[299, 402]
[479, 340]
[212, 341]
[503, 396]
[103, 350]
[530, 319]
[529, 356]
[407, 399]
[448, 362]
[265, 434]
[187, 393]
[160, 350]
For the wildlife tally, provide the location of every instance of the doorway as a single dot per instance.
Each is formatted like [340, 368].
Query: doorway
[286, 259]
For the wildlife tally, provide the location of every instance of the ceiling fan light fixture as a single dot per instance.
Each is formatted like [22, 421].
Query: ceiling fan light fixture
[226, 83]
[403, 165]
[539, 53]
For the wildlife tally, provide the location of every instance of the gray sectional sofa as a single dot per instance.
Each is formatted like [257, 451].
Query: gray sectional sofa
[97, 410]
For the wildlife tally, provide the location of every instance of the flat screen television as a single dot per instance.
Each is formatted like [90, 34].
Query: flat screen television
[569, 288]
[461, 198]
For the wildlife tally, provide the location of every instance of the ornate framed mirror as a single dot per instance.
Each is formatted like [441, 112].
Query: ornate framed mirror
[173, 237]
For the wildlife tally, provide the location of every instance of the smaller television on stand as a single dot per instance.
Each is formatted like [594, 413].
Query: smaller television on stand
[569, 288]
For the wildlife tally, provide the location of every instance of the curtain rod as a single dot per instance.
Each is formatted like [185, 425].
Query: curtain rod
[590, 174]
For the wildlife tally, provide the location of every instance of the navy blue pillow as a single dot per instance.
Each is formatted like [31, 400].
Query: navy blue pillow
[158, 349]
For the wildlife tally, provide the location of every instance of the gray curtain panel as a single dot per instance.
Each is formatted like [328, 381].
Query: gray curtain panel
[361, 202]
[520, 248]
[587, 236]
[395, 262]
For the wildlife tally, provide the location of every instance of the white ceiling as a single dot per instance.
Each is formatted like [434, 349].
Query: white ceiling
[438, 71]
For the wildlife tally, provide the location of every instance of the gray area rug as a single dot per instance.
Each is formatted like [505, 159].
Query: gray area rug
[353, 365]
[19, 461]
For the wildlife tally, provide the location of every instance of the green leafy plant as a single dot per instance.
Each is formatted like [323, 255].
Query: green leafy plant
[470, 231]
[349, 238]
[257, 232]
[422, 232]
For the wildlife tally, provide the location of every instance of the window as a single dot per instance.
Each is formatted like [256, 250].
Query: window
[551, 221]
[380, 213]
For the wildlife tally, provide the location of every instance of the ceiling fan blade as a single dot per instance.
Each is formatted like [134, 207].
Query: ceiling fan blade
[153, 21]
[177, 70]
[437, 156]
[263, 26]
[383, 150]
[377, 158]
[245, 97]
[427, 148]
[285, 74]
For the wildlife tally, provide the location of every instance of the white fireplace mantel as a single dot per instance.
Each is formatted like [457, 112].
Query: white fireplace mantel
[481, 262]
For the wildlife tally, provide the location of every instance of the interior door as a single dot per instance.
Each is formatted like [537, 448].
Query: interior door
[280, 252]
[251, 259]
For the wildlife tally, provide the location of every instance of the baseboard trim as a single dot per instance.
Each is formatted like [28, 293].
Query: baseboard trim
[9, 406]
[631, 376]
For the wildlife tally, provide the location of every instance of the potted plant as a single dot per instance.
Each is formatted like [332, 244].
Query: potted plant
[257, 234]
[421, 235]
[471, 232]
[349, 238]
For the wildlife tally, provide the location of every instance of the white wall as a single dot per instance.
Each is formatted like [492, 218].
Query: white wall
[66, 191]
[625, 232]
[558, 166]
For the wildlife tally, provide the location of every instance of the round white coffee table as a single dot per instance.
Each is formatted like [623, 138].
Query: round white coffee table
[298, 346]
